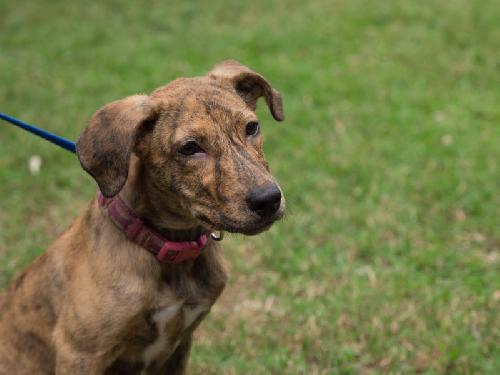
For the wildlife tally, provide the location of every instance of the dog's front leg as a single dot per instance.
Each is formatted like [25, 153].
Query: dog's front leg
[76, 355]
[71, 360]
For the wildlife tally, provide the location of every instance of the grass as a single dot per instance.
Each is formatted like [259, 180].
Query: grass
[388, 259]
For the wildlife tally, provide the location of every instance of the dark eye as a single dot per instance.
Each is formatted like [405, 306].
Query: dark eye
[252, 128]
[190, 148]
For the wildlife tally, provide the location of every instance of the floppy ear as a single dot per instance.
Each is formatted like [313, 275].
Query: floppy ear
[249, 85]
[105, 146]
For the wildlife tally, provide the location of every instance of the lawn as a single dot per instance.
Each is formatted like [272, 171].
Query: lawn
[388, 260]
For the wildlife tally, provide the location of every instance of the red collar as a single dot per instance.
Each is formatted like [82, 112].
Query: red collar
[137, 231]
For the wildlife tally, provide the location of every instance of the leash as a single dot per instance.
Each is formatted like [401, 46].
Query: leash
[59, 141]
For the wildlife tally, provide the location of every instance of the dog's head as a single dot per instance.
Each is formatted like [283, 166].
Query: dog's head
[199, 144]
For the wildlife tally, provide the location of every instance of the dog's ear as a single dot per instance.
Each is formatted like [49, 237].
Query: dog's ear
[105, 146]
[249, 85]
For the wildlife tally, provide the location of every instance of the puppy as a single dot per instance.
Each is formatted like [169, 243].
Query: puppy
[124, 287]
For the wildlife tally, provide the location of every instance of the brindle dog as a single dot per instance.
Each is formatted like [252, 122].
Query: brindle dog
[187, 158]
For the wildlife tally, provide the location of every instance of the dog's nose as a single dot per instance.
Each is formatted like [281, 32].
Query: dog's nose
[264, 200]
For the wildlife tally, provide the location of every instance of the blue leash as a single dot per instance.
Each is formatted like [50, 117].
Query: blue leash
[61, 142]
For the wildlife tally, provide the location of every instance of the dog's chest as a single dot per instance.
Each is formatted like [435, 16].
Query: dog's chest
[171, 323]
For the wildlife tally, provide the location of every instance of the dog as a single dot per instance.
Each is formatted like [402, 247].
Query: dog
[123, 288]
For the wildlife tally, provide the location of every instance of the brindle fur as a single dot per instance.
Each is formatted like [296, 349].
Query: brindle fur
[88, 304]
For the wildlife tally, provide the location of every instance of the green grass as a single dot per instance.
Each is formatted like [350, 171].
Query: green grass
[389, 258]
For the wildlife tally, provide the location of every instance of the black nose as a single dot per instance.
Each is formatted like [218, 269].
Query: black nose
[264, 200]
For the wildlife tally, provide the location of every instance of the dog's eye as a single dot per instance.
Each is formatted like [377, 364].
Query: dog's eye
[252, 128]
[190, 148]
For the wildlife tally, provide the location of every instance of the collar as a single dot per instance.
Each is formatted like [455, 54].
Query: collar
[138, 232]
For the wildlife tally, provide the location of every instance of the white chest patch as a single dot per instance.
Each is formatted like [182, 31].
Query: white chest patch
[158, 347]
[161, 347]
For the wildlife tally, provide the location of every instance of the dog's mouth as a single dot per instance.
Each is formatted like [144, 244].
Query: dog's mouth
[262, 226]
[222, 222]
